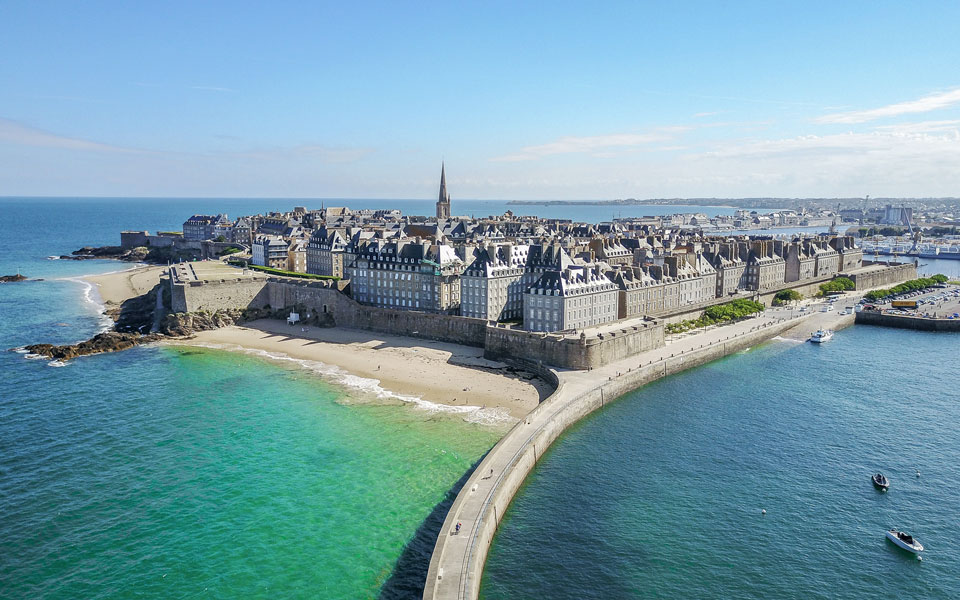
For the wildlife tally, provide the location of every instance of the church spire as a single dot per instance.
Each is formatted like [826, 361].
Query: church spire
[443, 204]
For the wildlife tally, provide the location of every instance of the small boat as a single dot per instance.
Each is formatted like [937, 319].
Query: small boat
[821, 335]
[881, 481]
[905, 541]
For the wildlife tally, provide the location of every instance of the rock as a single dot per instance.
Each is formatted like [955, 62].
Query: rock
[12, 278]
[110, 341]
[142, 254]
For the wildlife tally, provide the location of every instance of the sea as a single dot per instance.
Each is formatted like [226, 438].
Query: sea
[181, 472]
[749, 477]
[177, 472]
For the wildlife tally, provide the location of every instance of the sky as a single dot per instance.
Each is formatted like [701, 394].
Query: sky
[521, 100]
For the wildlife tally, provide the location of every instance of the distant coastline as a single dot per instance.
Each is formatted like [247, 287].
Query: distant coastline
[753, 203]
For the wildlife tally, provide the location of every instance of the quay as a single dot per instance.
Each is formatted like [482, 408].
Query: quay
[459, 556]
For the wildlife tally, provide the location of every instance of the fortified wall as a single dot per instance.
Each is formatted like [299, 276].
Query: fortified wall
[499, 343]
[886, 277]
[870, 317]
[572, 353]
[206, 248]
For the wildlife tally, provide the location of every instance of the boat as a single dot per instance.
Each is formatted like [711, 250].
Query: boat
[821, 335]
[881, 481]
[905, 541]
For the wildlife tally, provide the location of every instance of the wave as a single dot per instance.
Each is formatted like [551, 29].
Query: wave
[371, 387]
[91, 296]
[57, 363]
[783, 339]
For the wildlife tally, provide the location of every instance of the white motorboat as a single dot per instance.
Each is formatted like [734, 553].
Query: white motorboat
[821, 335]
[905, 541]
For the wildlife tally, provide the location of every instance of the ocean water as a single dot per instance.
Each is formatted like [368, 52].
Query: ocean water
[659, 495]
[175, 472]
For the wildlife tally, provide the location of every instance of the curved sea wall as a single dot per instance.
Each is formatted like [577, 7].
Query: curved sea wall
[460, 554]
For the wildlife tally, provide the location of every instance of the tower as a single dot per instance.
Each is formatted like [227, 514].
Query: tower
[443, 204]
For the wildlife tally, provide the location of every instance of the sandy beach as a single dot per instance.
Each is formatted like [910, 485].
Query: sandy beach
[114, 288]
[437, 372]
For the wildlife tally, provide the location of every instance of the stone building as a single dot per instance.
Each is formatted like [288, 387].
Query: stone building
[851, 257]
[765, 269]
[297, 256]
[269, 251]
[493, 284]
[325, 252]
[406, 274]
[611, 251]
[577, 297]
[730, 267]
[202, 227]
[827, 259]
[241, 233]
[799, 265]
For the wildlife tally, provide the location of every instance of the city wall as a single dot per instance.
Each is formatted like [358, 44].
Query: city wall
[879, 278]
[205, 248]
[499, 343]
[571, 353]
[869, 317]
[221, 294]
[555, 415]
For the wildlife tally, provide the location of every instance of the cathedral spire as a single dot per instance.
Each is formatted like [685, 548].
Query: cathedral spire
[443, 204]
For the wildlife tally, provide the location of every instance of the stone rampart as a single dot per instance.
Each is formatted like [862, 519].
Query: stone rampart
[573, 353]
[211, 296]
[870, 317]
[877, 278]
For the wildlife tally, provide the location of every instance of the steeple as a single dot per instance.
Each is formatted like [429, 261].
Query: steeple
[443, 204]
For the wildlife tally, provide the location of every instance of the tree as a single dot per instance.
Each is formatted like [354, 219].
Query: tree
[786, 296]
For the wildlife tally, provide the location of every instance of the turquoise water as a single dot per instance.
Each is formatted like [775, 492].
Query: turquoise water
[168, 472]
[659, 495]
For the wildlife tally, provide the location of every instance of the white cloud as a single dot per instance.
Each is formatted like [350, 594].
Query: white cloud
[212, 88]
[595, 143]
[20, 134]
[922, 105]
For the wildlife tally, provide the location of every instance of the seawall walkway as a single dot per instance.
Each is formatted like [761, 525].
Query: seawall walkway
[460, 552]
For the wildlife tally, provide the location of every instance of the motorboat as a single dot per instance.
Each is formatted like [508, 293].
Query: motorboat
[821, 335]
[905, 541]
[880, 481]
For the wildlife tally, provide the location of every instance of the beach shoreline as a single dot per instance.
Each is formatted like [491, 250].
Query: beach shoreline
[422, 372]
[118, 286]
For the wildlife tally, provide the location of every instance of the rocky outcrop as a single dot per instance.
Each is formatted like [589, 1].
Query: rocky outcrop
[186, 324]
[12, 278]
[141, 254]
[136, 315]
[110, 341]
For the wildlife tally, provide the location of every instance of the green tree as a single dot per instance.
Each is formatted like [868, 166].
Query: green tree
[786, 296]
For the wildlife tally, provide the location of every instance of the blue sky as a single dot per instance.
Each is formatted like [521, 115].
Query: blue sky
[522, 100]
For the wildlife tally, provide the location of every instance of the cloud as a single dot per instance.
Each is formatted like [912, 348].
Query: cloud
[712, 113]
[212, 88]
[595, 143]
[23, 135]
[922, 105]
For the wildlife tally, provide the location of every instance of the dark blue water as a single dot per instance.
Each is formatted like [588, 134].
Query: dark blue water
[660, 494]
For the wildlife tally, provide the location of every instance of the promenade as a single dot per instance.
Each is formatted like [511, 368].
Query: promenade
[460, 553]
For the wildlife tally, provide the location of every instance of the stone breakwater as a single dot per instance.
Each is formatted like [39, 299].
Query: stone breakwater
[460, 552]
